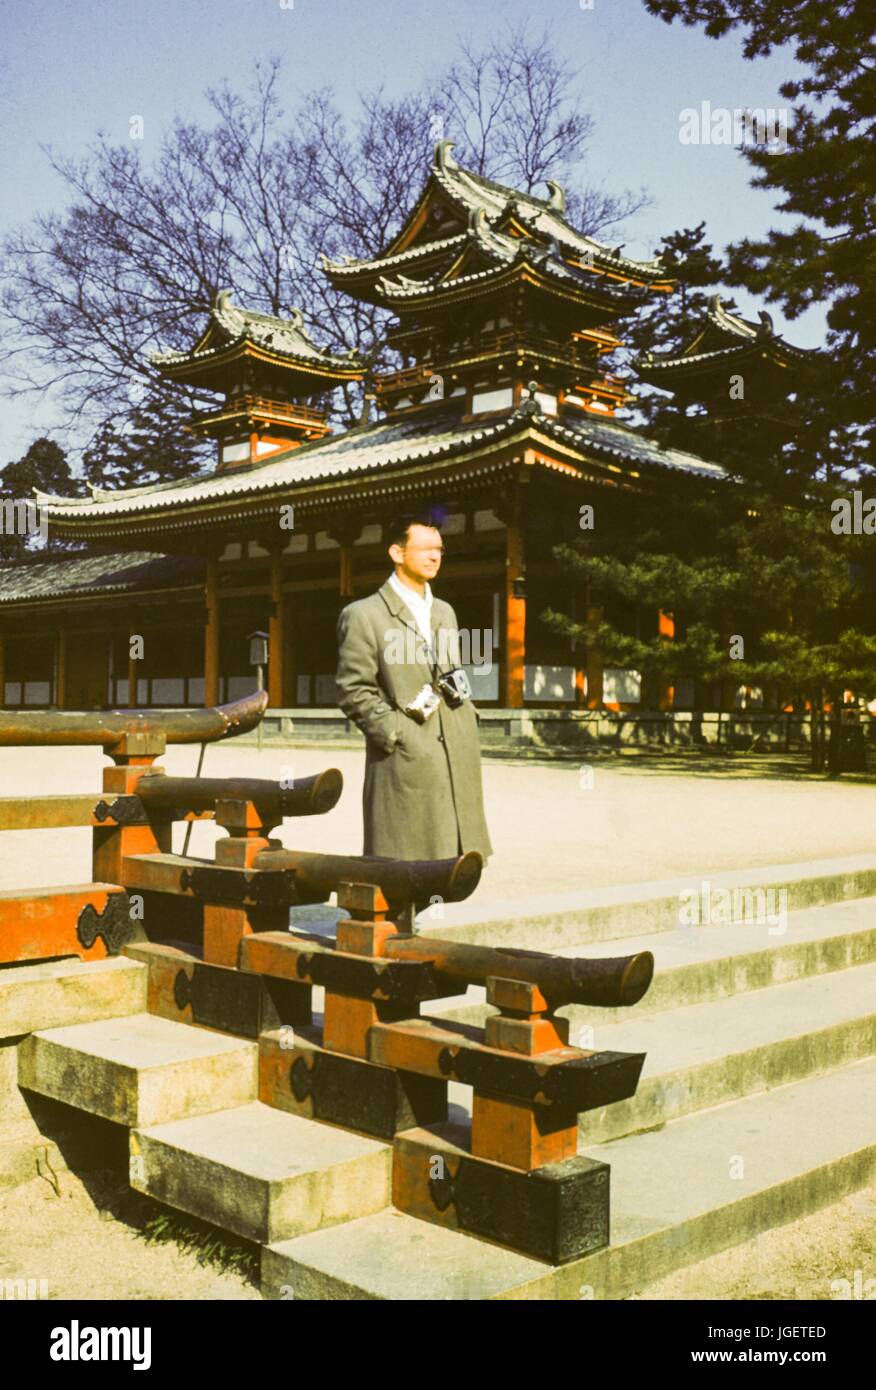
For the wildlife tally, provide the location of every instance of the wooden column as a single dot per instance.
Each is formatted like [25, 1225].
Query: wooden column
[211, 635]
[61, 671]
[511, 510]
[277, 636]
[132, 671]
[593, 661]
[515, 618]
[345, 531]
[345, 574]
[666, 628]
[579, 654]
[345, 559]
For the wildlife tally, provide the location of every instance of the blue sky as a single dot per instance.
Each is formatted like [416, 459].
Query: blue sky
[70, 69]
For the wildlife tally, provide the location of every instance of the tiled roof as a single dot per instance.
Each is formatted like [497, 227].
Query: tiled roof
[545, 215]
[378, 448]
[737, 337]
[504, 252]
[352, 266]
[72, 575]
[473, 195]
[230, 324]
[608, 439]
[366, 448]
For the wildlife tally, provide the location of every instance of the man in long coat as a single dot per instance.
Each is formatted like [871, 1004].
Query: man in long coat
[423, 797]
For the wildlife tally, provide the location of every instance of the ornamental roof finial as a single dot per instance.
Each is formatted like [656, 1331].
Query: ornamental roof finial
[557, 200]
[477, 221]
[443, 158]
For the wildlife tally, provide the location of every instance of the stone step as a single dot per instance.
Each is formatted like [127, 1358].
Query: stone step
[64, 992]
[261, 1173]
[696, 965]
[139, 1070]
[551, 921]
[39, 996]
[708, 1054]
[700, 1185]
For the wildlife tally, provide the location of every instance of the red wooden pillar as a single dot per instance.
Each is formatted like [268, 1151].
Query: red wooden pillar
[594, 661]
[61, 671]
[211, 635]
[666, 628]
[132, 668]
[277, 636]
[514, 655]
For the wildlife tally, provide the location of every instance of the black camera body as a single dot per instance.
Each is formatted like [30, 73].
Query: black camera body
[451, 686]
[454, 686]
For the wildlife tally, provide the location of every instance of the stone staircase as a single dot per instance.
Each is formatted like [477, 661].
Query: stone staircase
[757, 1103]
[33, 997]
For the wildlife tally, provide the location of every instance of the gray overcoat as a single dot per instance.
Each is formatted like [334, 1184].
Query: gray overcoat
[423, 797]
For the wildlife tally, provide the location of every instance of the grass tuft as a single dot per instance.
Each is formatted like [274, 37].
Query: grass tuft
[207, 1243]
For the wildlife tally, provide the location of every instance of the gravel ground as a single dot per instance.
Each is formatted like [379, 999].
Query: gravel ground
[554, 826]
[828, 1256]
[83, 1237]
[82, 1241]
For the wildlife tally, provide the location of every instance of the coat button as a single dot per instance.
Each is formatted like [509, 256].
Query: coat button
[441, 738]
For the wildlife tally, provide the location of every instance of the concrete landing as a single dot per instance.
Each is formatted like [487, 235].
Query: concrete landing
[139, 1070]
[700, 1185]
[261, 1173]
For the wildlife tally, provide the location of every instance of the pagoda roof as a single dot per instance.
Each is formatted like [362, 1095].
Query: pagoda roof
[233, 331]
[472, 199]
[499, 258]
[370, 451]
[725, 339]
[62, 575]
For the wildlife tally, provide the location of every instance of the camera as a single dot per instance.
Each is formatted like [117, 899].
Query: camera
[454, 686]
[424, 704]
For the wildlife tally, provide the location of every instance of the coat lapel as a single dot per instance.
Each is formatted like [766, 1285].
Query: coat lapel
[399, 609]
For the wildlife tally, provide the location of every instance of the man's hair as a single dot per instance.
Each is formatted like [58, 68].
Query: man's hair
[398, 529]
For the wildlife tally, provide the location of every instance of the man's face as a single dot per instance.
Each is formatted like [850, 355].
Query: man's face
[420, 557]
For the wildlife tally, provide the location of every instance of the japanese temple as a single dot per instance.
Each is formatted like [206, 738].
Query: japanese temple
[501, 422]
[728, 348]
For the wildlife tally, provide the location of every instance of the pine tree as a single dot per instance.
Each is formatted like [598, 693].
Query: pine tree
[154, 446]
[759, 556]
[667, 324]
[826, 178]
[770, 598]
[43, 467]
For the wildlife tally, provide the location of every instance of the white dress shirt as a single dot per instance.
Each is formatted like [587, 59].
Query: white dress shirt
[419, 605]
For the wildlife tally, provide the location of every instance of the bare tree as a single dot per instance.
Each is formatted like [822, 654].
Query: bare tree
[250, 202]
[516, 116]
